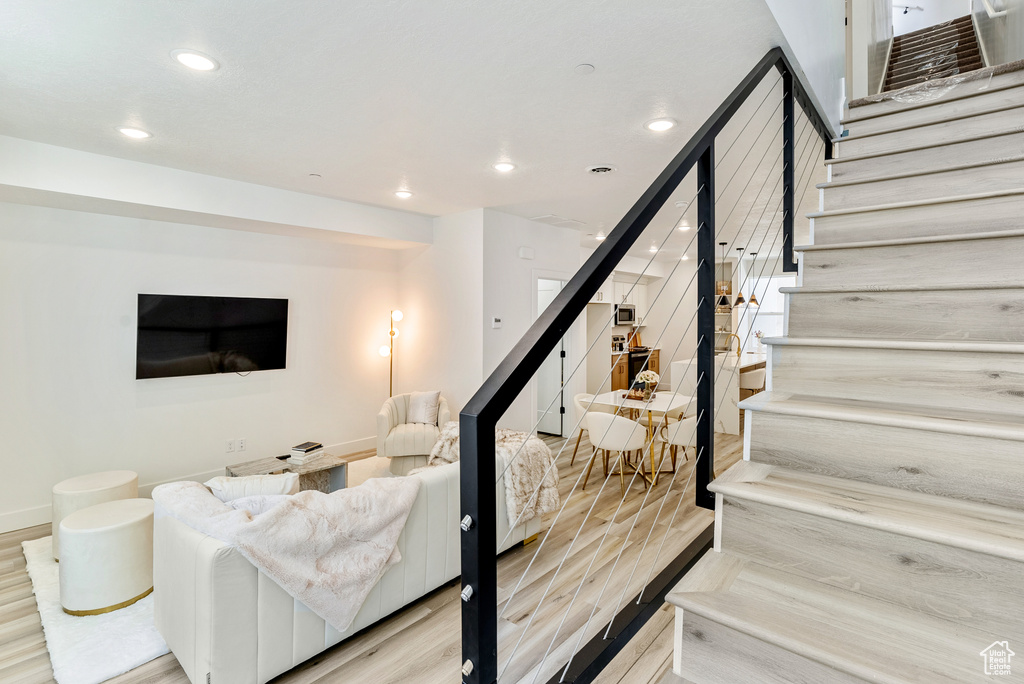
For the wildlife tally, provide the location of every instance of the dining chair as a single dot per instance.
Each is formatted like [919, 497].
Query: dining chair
[583, 405]
[610, 433]
[679, 434]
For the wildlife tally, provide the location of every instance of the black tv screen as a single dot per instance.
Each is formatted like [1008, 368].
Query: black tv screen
[186, 335]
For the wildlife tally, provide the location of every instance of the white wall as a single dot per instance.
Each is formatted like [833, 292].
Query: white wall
[668, 327]
[70, 402]
[814, 31]
[871, 36]
[934, 12]
[441, 345]
[510, 294]
[1001, 38]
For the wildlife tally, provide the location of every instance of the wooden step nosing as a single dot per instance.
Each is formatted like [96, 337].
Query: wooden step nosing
[949, 119]
[948, 199]
[886, 418]
[805, 289]
[919, 240]
[931, 103]
[920, 148]
[898, 344]
[800, 648]
[764, 493]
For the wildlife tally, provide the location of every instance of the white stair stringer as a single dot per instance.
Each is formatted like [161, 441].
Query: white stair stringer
[875, 531]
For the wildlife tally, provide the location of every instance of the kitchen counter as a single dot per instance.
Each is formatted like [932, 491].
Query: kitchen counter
[727, 394]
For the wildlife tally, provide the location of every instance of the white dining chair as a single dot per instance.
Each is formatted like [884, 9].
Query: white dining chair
[610, 433]
[679, 434]
[583, 405]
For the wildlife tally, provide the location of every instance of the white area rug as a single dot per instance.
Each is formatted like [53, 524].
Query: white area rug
[89, 650]
[366, 468]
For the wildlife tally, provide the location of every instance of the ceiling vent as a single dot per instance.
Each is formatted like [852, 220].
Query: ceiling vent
[559, 221]
[600, 169]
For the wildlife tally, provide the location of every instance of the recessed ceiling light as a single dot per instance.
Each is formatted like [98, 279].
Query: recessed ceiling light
[600, 236]
[653, 249]
[195, 60]
[686, 257]
[136, 133]
[504, 167]
[583, 69]
[403, 194]
[660, 125]
[684, 225]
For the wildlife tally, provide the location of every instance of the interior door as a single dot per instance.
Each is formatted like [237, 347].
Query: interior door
[551, 375]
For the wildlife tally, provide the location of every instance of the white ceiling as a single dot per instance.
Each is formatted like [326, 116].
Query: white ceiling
[380, 95]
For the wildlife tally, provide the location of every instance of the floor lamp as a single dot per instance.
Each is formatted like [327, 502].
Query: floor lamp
[389, 350]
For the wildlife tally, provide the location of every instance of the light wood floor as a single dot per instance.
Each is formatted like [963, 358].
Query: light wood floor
[421, 643]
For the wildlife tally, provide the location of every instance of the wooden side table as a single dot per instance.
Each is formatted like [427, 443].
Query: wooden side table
[326, 473]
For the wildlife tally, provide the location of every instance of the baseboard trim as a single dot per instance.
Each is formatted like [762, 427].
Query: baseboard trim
[41, 515]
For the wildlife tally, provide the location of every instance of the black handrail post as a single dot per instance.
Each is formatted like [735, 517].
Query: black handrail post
[788, 178]
[706, 304]
[478, 544]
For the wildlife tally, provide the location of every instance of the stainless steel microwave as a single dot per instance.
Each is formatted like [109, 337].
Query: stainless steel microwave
[625, 314]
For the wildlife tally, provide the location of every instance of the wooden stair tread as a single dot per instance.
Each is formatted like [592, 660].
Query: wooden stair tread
[916, 203]
[982, 528]
[934, 122]
[927, 172]
[955, 346]
[863, 637]
[933, 419]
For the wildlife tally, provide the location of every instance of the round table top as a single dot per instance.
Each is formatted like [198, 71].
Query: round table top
[109, 515]
[95, 482]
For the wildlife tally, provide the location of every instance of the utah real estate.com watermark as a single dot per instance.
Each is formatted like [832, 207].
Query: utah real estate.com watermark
[997, 658]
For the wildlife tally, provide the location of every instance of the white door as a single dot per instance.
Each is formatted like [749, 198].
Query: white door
[551, 375]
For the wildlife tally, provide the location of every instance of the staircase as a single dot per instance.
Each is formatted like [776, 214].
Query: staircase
[935, 52]
[876, 531]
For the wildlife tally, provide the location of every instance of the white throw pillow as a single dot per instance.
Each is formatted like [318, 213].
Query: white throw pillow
[258, 503]
[228, 488]
[423, 407]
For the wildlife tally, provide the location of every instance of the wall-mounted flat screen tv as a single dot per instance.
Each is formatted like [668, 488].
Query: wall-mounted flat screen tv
[186, 335]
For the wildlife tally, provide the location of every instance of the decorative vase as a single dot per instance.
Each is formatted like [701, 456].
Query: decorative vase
[647, 391]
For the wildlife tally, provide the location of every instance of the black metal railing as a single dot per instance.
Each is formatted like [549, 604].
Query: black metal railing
[478, 419]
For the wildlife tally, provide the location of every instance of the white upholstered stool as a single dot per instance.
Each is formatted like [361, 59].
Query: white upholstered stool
[88, 490]
[106, 556]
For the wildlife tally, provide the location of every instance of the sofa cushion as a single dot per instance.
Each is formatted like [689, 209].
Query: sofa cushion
[228, 488]
[411, 439]
[423, 407]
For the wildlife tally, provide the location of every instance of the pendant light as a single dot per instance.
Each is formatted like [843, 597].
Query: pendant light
[723, 299]
[739, 299]
[753, 297]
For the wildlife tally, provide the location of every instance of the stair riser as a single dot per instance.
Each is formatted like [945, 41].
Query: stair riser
[944, 380]
[711, 653]
[975, 315]
[974, 151]
[992, 178]
[947, 91]
[939, 70]
[936, 264]
[970, 588]
[924, 116]
[903, 458]
[935, 134]
[947, 218]
[907, 61]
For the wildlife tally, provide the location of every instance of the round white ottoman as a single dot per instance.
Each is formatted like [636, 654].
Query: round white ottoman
[106, 556]
[88, 490]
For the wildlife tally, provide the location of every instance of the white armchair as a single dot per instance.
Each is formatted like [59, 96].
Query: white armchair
[407, 444]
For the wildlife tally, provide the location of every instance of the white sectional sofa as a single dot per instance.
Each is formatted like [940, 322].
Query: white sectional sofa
[227, 623]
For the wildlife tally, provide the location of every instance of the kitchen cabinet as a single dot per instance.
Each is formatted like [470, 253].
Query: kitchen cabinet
[637, 296]
[606, 295]
[654, 363]
[620, 373]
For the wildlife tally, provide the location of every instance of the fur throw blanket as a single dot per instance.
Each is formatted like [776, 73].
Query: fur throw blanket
[531, 483]
[326, 550]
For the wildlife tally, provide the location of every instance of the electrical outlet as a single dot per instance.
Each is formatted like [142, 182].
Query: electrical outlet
[229, 446]
[240, 443]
